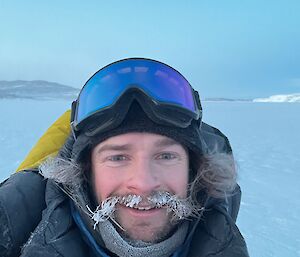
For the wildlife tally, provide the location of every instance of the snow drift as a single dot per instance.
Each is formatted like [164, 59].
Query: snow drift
[291, 98]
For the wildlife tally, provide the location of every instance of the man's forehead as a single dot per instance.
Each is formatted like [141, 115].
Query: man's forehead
[130, 139]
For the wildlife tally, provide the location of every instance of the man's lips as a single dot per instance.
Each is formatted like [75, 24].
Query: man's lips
[140, 211]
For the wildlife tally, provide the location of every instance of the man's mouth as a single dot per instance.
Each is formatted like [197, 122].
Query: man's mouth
[140, 208]
[143, 208]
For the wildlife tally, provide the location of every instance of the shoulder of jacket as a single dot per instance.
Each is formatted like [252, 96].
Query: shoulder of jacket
[217, 235]
[20, 193]
[56, 234]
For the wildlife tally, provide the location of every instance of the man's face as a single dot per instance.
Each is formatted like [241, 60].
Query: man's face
[141, 164]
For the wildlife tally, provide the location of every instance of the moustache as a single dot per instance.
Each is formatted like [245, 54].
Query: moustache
[181, 208]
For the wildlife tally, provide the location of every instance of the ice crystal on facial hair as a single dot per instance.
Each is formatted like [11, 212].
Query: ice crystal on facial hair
[131, 200]
[104, 211]
[181, 208]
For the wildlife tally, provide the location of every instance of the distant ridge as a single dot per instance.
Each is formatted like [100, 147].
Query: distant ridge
[221, 99]
[290, 98]
[36, 89]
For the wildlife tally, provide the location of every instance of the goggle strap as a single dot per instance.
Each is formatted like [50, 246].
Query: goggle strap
[73, 110]
[197, 98]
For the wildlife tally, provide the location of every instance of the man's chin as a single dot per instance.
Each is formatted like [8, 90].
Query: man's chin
[147, 234]
[146, 227]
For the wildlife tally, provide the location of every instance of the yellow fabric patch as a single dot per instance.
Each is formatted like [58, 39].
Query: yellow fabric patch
[49, 144]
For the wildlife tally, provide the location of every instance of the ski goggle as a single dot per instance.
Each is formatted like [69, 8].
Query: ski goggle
[163, 88]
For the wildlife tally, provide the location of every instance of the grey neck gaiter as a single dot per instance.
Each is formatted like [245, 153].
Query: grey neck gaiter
[116, 244]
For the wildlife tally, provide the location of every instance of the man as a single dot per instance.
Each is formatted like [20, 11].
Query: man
[141, 174]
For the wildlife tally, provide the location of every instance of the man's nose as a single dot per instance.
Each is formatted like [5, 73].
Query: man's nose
[144, 178]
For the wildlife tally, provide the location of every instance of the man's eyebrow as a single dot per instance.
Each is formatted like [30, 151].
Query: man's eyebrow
[112, 147]
[115, 147]
[166, 142]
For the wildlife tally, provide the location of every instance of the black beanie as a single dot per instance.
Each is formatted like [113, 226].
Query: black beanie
[136, 120]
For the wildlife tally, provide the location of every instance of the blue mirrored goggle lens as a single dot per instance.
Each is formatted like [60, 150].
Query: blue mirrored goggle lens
[159, 81]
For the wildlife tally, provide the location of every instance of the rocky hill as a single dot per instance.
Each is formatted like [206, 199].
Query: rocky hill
[36, 89]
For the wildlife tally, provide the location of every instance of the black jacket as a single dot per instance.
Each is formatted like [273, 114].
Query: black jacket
[36, 220]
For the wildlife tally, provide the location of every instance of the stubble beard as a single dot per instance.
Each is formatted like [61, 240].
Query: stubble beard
[141, 232]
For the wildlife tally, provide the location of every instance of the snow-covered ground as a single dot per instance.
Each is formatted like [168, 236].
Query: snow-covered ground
[265, 139]
[22, 122]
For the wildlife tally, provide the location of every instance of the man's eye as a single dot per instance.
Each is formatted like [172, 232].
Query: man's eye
[166, 156]
[117, 158]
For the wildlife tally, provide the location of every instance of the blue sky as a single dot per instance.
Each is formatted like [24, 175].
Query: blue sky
[240, 49]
